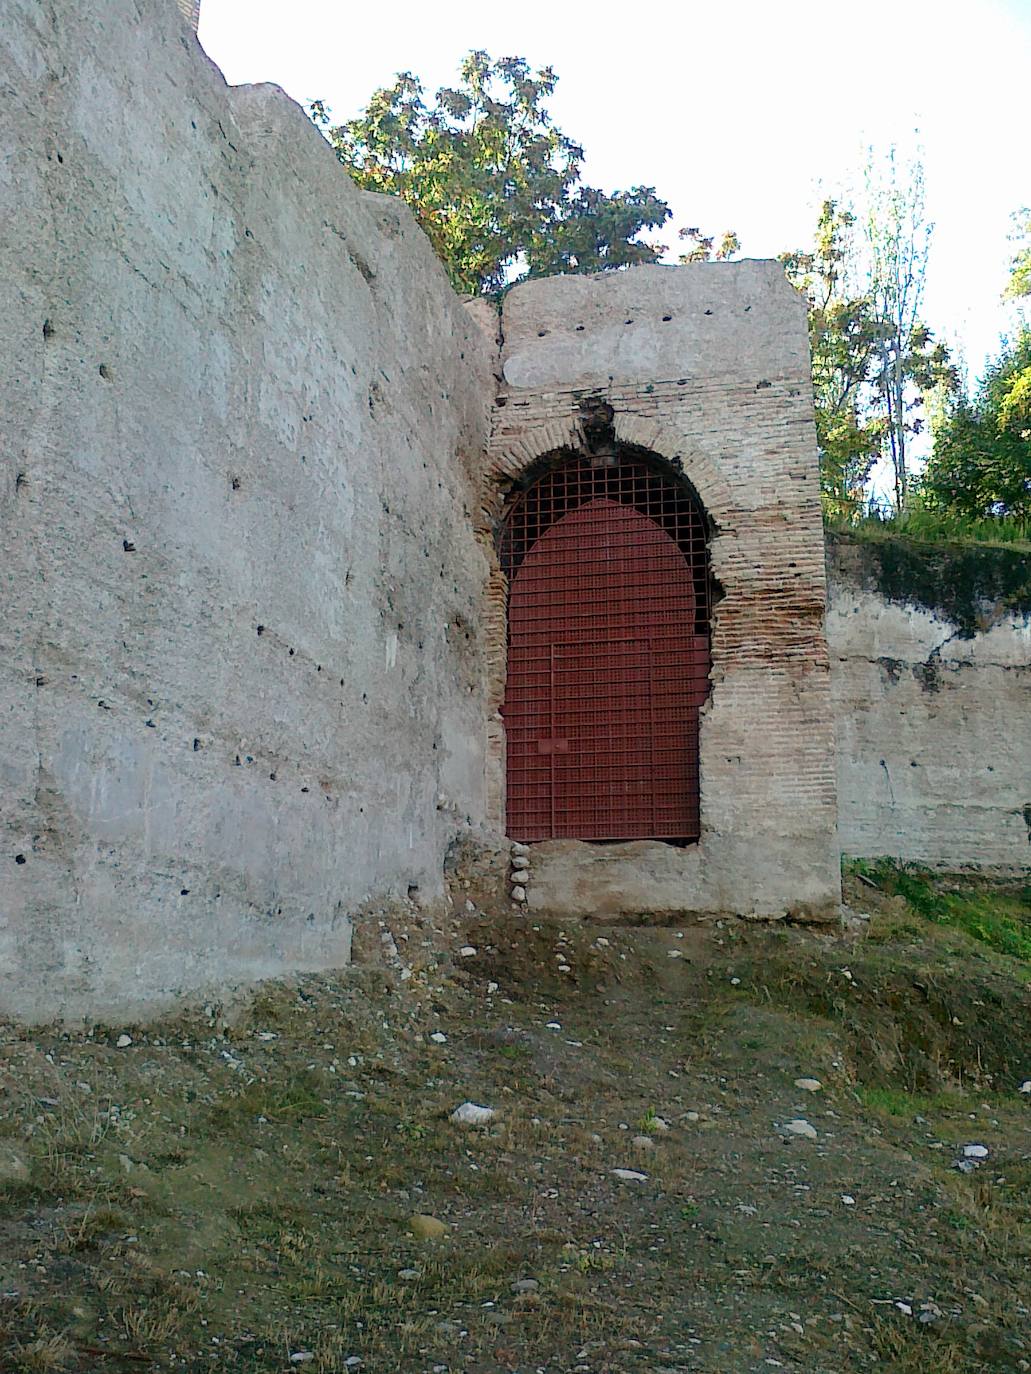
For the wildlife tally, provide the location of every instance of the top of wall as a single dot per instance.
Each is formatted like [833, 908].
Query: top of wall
[730, 320]
[972, 585]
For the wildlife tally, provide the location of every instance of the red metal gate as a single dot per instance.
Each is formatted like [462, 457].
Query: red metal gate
[608, 656]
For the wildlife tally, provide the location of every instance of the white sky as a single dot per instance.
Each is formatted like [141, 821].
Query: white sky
[740, 117]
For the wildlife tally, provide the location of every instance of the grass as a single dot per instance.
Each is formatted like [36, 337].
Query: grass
[992, 915]
[939, 527]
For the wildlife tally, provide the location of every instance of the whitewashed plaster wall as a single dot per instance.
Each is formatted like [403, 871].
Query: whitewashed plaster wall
[241, 689]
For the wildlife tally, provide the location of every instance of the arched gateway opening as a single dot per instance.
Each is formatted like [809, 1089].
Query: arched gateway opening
[608, 653]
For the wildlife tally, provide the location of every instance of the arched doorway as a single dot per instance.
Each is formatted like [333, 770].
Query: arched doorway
[608, 654]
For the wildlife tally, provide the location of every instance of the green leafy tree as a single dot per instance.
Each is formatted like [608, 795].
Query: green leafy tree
[495, 185]
[844, 336]
[981, 463]
[1020, 278]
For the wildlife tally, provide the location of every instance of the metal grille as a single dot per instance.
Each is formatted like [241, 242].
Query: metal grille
[608, 655]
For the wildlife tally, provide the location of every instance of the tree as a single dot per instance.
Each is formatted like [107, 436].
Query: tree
[844, 334]
[495, 185]
[873, 358]
[1020, 277]
[493, 182]
[981, 463]
[897, 241]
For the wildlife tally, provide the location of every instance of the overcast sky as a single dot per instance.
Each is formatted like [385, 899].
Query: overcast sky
[741, 115]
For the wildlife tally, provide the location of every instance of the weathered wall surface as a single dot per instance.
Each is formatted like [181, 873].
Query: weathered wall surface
[706, 367]
[240, 675]
[931, 682]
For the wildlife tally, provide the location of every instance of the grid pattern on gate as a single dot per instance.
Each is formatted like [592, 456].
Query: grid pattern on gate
[608, 656]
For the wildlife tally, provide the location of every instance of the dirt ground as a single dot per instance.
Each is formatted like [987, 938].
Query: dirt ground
[238, 1196]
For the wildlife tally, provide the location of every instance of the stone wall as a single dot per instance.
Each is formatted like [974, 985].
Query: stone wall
[707, 368]
[931, 682]
[240, 655]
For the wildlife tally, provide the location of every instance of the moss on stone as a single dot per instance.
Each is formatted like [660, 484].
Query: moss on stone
[973, 585]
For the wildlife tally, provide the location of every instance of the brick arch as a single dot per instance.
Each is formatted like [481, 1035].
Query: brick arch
[508, 460]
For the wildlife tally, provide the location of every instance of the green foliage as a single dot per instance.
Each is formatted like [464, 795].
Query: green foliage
[994, 917]
[932, 525]
[843, 335]
[1020, 278]
[872, 357]
[492, 181]
[981, 463]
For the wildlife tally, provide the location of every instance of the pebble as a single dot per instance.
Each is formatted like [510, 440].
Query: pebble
[427, 1228]
[800, 1127]
[301, 1357]
[492, 988]
[439, 1038]
[630, 1175]
[408, 1274]
[519, 893]
[123, 1041]
[848, 1199]
[519, 848]
[809, 1085]
[13, 1168]
[965, 1166]
[975, 1151]
[1025, 1087]
[467, 952]
[471, 1114]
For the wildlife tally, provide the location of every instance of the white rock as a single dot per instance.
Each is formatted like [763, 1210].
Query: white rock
[519, 893]
[301, 1357]
[809, 1085]
[848, 1199]
[659, 1124]
[492, 988]
[1025, 1087]
[800, 1127]
[553, 1025]
[439, 1038]
[630, 1175]
[735, 982]
[519, 848]
[520, 866]
[674, 954]
[123, 1041]
[564, 968]
[469, 906]
[975, 1151]
[602, 943]
[904, 1308]
[13, 1168]
[470, 1114]
[408, 1274]
[467, 952]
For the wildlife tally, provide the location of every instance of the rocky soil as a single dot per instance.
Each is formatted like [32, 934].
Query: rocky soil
[723, 1148]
